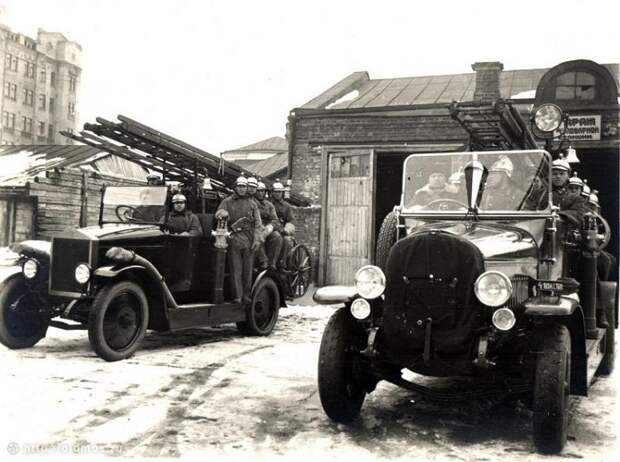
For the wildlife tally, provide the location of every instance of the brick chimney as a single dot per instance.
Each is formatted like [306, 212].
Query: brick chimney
[487, 79]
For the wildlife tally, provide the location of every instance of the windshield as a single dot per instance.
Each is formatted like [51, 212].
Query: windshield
[512, 181]
[134, 204]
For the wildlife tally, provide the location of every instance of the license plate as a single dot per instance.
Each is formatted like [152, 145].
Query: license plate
[551, 286]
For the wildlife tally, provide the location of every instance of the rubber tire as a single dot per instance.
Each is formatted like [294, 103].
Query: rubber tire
[8, 289]
[250, 326]
[607, 364]
[386, 239]
[552, 390]
[341, 397]
[97, 314]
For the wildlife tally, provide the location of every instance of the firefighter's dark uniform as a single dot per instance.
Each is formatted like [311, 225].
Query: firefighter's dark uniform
[285, 215]
[268, 253]
[184, 222]
[241, 242]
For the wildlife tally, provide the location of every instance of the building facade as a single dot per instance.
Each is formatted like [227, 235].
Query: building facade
[347, 145]
[40, 80]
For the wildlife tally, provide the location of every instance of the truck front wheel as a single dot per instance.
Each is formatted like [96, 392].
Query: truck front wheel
[118, 320]
[552, 390]
[341, 394]
[22, 325]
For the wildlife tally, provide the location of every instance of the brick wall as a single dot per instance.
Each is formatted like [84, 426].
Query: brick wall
[307, 222]
[487, 79]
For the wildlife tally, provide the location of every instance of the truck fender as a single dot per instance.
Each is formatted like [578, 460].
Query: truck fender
[271, 273]
[114, 271]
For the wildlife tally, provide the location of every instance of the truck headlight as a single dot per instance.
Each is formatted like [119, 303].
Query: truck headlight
[370, 281]
[548, 117]
[82, 273]
[504, 319]
[493, 288]
[360, 308]
[30, 268]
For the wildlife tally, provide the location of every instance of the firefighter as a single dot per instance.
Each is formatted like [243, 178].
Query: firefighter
[575, 185]
[252, 186]
[500, 192]
[285, 217]
[572, 204]
[245, 225]
[268, 253]
[182, 221]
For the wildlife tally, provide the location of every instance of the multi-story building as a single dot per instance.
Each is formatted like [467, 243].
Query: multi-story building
[40, 80]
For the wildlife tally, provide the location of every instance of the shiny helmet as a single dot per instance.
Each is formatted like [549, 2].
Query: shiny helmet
[560, 164]
[503, 164]
[178, 198]
[252, 182]
[277, 186]
[575, 180]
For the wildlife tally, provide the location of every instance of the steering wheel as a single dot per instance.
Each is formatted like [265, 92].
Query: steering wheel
[606, 230]
[126, 213]
[443, 203]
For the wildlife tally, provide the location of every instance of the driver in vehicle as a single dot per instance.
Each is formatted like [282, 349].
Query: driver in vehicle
[573, 204]
[500, 192]
[182, 221]
[436, 188]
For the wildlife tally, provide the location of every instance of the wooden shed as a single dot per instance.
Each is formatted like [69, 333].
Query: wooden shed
[45, 189]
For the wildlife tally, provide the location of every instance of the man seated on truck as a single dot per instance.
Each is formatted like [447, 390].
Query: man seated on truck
[285, 217]
[500, 192]
[269, 251]
[436, 188]
[182, 221]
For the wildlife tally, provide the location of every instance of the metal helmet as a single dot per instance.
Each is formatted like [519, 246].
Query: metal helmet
[503, 164]
[575, 180]
[593, 198]
[179, 198]
[277, 186]
[585, 191]
[261, 186]
[560, 164]
[252, 182]
[241, 181]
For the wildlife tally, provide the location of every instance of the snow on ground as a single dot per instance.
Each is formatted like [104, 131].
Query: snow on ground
[213, 393]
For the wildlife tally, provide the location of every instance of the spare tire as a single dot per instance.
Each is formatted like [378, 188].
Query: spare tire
[386, 239]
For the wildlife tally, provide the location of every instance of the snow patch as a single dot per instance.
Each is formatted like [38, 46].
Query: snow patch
[529, 94]
[15, 166]
[345, 98]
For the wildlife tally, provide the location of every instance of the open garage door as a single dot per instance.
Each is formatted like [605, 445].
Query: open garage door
[347, 237]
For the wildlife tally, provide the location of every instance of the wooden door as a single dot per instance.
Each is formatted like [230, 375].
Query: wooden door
[348, 236]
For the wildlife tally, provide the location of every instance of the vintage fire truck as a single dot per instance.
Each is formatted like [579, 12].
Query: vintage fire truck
[489, 281]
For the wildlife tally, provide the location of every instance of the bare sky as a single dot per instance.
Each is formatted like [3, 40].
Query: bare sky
[222, 74]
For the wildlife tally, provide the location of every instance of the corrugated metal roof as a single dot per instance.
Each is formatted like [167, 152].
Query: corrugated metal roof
[424, 89]
[273, 144]
[19, 164]
[268, 167]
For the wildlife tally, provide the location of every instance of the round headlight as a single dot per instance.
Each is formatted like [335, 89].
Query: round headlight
[370, 281]
[30, 268]
[548, 117]
[82, 273]
[493, 288]
[504, 319]
[360, 308]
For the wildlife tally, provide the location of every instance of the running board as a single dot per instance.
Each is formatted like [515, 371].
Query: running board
[65, 326]
[205, 314]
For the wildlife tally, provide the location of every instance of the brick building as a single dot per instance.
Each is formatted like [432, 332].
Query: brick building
[347, 145]
[40, 79]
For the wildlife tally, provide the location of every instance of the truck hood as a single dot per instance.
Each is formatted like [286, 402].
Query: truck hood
[506, 247]
[111, 232]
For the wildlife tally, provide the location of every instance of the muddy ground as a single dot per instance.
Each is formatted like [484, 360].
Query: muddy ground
[213, 391]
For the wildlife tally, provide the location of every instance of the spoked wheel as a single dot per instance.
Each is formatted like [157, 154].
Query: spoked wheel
[21, 323]
[262, 312]
[118, 320]
[300, 270]
[552, 390]
[342, 395]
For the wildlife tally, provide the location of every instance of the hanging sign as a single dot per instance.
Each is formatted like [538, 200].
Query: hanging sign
[585, 127]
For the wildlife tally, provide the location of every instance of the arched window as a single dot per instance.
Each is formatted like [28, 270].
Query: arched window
[577, 84]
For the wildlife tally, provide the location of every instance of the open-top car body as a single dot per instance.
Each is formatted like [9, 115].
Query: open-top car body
[129, 274]
[475, 277]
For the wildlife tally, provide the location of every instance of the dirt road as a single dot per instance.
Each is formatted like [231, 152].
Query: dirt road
[214, 391]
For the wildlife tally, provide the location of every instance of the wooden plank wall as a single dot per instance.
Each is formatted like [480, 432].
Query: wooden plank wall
[17, 218]
[59, 199]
